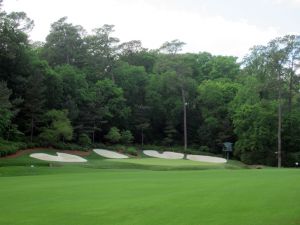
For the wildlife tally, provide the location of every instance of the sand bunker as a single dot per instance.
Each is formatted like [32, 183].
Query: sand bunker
[164, 155]
[203, 158]
[110, 154]
[61, 157]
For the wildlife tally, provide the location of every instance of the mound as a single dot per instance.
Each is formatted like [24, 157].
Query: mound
[110, 154]
[61, 157]
[164, 155]
[203, 158]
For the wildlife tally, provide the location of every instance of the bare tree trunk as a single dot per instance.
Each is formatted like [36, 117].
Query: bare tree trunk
[279, 124]
[94, 128]
[31, 130]
[291, 86]
[184, 118]
[142, 138]
[113, 78]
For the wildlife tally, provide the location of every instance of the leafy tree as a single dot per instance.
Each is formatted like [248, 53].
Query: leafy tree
[126, 137]
[102, 52]
[5, 108]
[74, 86]
[214, 98]
[84, 140]
[113, 135]
[64, 44]
[172, 47]
[14, 50]
[58, 127]
[104, 102]
[170, 133]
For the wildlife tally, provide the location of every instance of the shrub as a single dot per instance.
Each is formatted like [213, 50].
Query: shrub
[131, 151]
[204, 148]
[113, 135]
[84, 140]
[119, 148]
[126, 137]
[68, 146]
[9, 148]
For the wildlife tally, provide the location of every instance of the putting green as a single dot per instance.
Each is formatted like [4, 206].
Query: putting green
[139, 197]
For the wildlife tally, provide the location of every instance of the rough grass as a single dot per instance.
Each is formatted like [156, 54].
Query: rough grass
[86, 196]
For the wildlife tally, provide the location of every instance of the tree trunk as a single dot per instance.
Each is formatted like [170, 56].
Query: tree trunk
[94, 128]
[279, 124]
[142, 138]
[184, 118]
[291, 87]
[31, 130]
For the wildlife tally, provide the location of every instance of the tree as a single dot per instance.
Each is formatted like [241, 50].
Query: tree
[170, 133]
[58, 127]
[104, 102]
[14, 50]
[34, 100]
[214, 98]
[141, 120]
[113, 135]
[126, 137]
[172, 47]
[74, 87]
[102, 51]
[5, 108]
[175, 65]
[272, 65]
[64, 44]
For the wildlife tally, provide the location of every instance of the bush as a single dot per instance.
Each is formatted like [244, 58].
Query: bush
[131, 151]
[204, 148]
[113, 135]
[126, 137]
[9, 148]
[119, 148]
[84, 140]
[68, 146]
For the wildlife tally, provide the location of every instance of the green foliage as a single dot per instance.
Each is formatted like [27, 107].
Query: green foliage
[131, 151]
[5, 108]
[58, 127]
[147, 93]
[113, 135]
[9, 147]
[170, 133]
[68, 146]
[126, 137]
[64, 44]
[84, 140]
[255, 126]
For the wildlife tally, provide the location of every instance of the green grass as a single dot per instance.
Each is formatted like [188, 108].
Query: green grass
[98, 162]
[145, 191]
[138, 197]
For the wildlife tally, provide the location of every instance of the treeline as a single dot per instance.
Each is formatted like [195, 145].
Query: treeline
[90, 88]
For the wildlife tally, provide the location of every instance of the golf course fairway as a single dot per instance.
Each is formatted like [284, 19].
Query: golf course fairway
[139, 197]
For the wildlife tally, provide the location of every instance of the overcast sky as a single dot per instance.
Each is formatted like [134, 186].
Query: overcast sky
[226, 27]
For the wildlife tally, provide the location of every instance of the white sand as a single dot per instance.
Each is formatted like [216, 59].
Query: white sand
[61, 157]
[164, 155]
[110, 154]
[203, 158]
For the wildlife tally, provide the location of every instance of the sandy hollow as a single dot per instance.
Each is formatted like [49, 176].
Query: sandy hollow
[61, 157]
[110, 154]
[203, 158]
[164, 155]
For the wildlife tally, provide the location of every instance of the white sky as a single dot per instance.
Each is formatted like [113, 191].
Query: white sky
[226, 27]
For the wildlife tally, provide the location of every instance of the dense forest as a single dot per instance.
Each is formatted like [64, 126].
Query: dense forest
[89, 88]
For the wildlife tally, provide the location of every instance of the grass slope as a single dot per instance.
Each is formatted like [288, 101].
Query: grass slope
[142, 197]
[96, 161]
